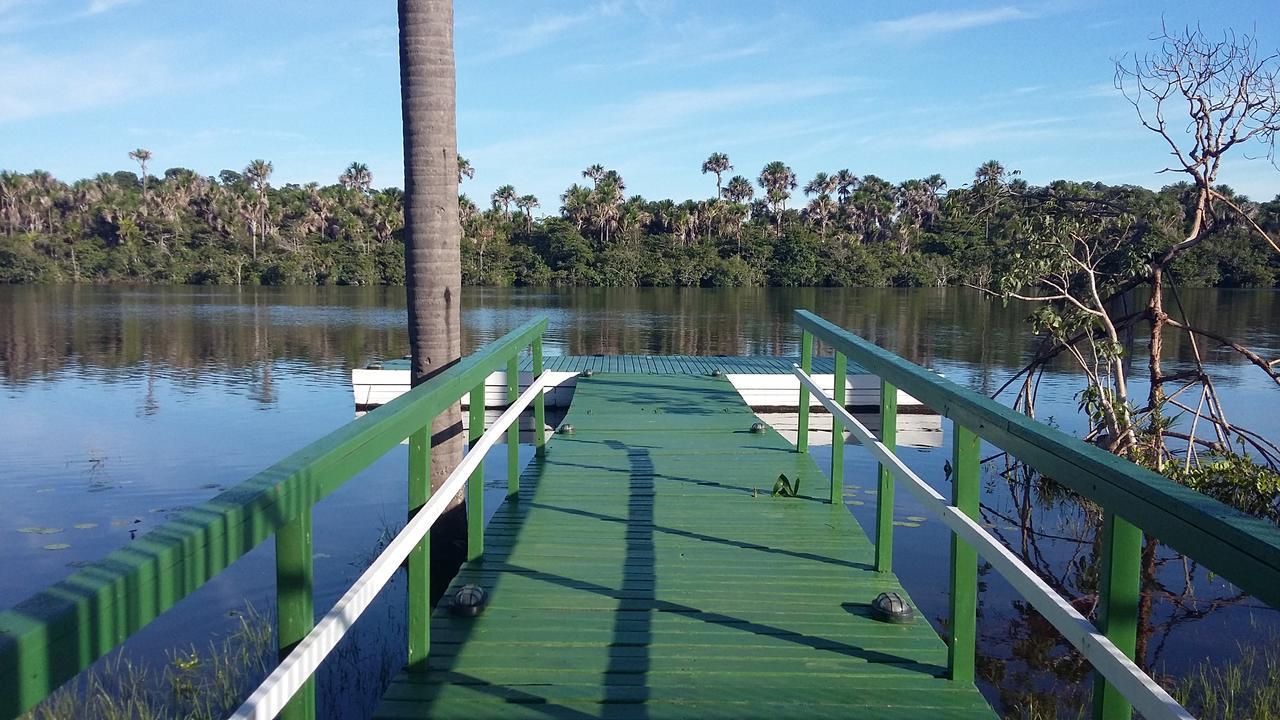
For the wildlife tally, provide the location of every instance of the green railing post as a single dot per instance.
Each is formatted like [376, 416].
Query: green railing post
[884, 494]
[964, 559]
[295, 613]
[475, 484]
[418, 567]
[539, 406]
[806, 364]
[837, 433]
[1118, 592]
[513, 432]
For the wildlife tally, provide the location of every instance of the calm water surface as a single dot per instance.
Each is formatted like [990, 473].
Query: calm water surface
[121, 407]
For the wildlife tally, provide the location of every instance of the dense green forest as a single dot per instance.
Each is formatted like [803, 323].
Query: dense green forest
[838, 229]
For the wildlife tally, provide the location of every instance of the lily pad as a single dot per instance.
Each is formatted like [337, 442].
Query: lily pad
[85, 526]
[40, 530]
[56, 546]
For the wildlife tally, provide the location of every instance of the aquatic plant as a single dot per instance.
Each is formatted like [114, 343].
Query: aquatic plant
[193, 683]
[1245, 689]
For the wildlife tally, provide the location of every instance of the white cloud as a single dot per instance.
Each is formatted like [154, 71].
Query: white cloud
[944, 21]
[540, 32]
[36, 85]
[101, 6]
[992, 134]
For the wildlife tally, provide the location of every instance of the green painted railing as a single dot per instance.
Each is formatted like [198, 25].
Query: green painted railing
[1243, 549]
[50, 637]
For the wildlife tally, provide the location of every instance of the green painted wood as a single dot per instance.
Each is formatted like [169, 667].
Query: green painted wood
[513, 431]
[1118, 594]
[1243, 549]
[475, 483]
[884, 480]
[837, 433]
[295, 612]
[54, 634]
[672, 364]
[418, 567]
[806, 365]
[646, 571]
[965, 490]
[539, 403]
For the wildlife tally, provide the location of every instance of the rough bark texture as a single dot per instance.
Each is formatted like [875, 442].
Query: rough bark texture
[433, 270]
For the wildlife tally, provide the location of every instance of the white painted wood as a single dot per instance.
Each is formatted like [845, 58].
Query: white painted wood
[1145, 694]
[914, 431]
[379, 387]
[284, 682]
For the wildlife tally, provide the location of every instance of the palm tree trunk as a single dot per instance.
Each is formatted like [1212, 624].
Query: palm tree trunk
[433, 269]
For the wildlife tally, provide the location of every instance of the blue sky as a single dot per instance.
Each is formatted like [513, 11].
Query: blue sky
[649, 87]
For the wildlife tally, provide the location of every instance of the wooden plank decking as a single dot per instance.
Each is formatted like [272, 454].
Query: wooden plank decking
[646, 572]
[668, 364]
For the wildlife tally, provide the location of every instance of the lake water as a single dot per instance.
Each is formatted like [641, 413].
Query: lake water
[119, 407]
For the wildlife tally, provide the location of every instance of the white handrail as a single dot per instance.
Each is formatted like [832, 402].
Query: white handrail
[1145, 694]
[289, 676]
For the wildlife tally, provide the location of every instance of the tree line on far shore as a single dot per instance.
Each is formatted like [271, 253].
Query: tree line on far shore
[836, 229]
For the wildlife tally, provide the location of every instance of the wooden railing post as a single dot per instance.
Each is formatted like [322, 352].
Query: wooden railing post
[418, 567]
[837, 432]
[884, 494]
[295, 612]
[965, 446]
[539, 405]
[1118, 592]
[513, 431]
[806, 364]
[475, 484]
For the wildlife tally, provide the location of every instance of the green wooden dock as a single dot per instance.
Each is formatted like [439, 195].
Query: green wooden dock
[664, 364]
[647, 571]
[642, 567]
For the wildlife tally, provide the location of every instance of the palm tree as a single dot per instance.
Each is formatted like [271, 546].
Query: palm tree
[821, 184]
[464, 169]
[576, 205]
[433, 267]
[777, 180]
[717, 163]
[594, 173]
[527, 203]
[356, 177]
[258, 173]
[739, 190]
[989, 174]
[820, 210]
[504, 196]
[142, 156]
[605, 201]
[846, 182]
[614, 178]
[467, 210]
[634, 216]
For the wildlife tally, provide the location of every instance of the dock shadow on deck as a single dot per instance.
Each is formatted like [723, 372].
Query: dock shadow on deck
[647, 572]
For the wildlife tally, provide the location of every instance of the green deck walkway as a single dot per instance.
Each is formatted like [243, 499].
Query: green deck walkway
[668, 364]
[641, 575]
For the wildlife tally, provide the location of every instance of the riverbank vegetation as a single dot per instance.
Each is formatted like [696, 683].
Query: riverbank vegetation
[837, 229]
